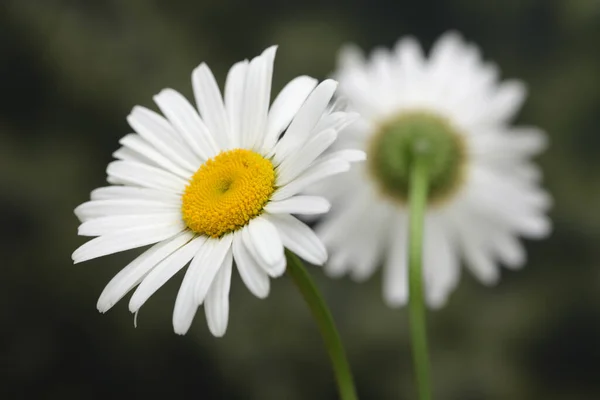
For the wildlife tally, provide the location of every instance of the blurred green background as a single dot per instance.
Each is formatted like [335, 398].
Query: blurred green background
[70, 71]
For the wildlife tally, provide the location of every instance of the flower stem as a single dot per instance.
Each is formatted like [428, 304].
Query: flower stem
[324, 320]
[418, 203]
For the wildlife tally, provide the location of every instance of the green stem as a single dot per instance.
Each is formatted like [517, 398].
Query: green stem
[322, 316]
[418, 204]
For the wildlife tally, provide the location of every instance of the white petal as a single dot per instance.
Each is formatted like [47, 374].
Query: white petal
[477, 255]
[216, 306]
[131, 192]
[137, 144]
[299, 238]
[210, 104]
[263, 242]
[158, 131]
[299, 205]
[347, 155]
[395, 271]
[125, 240]
[285, 107]
[510, 250]
[257, 94]
[313, 174]
[105, 225]
[207, 272]
[337, 120]
[255, 278]
[202, 270]
[507, 101]
[135, 271]
[103, 208]
[297, 163]
[305, 120]
[131, 173]
[234, 97]
[440, 263]
[164, 271]
[186, 120]
[351, 56]
[126, 154]
[368, 239]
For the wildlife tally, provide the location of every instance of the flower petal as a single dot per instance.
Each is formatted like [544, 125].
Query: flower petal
[135, 271]
[159, 132]
[395, 271]
[234, 96]
[299, 205]
[104, 208]
[132, 192]
[298, 162]
[313, 174]
[164, 271]
[137, 144]
[257, 93]
[188, 123]
[263, 242]
[299, 238]
[216, 305]
[206, 274]
[210, 104]
[305, 120]
[126, 240]
[136, 174]
[253, 276]
[106, 225]
[285, 107]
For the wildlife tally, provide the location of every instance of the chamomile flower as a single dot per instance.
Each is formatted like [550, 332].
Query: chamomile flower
[216, 185]
[484, 190]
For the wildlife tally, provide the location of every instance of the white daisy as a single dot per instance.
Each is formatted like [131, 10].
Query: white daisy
[214, 186]
[484, 190]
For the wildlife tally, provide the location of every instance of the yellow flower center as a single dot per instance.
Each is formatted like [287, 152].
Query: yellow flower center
[227, 191]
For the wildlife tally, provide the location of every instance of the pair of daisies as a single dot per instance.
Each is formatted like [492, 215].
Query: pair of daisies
[214, 186]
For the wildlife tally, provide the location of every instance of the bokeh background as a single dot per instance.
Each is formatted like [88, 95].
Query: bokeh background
[70, 71]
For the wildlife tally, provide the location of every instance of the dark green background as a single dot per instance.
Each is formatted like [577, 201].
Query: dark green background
[71, 71]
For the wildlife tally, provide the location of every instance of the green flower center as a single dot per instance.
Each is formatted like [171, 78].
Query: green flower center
[393, 148]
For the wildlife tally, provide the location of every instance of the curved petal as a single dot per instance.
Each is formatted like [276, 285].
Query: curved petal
[234, 96]
[135, 271]
[305, 120]
[126, 240]
[158, 131]
[299, 238]
[187, 121]
[137, 144]
[297, 163]
[285, 106]
[253, 276]
[257, 94]
[210, 104]
[111, 207]
[216, 305]
[299, 205]
[136, 174]
[164, 271]
[106, 225]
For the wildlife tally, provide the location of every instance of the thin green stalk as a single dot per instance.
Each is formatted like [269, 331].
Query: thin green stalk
[324, 320]
[418, 203]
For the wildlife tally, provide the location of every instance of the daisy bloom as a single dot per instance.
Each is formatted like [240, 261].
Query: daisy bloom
[214, 186]
[483, 188]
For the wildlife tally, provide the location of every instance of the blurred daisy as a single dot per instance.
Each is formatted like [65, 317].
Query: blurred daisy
[484, 190]
[214, 186]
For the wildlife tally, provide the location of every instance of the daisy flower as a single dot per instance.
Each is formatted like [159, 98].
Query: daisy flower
[483, 188]
[214, 186]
